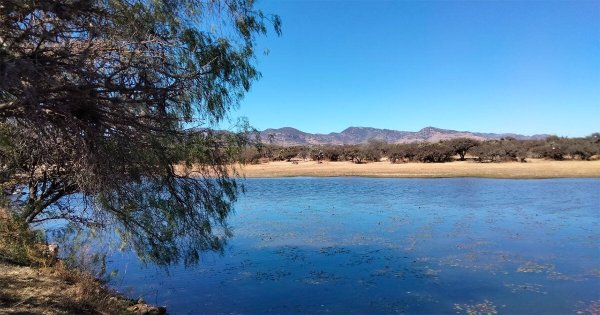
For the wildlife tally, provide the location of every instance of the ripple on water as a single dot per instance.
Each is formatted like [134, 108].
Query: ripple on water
[356, 245]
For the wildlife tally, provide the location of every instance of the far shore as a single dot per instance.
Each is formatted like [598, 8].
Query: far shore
[534, 168]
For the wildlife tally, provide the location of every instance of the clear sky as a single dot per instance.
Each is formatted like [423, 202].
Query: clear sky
[489, 66]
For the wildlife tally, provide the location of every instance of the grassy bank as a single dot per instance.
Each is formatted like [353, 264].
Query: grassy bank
[34, 281]
[57, 290]
[532, 169]
[28, 290]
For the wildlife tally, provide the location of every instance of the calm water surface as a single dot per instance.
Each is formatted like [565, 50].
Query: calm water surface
[417, 246]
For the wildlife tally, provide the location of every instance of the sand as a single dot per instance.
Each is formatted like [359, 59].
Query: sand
[532, 169]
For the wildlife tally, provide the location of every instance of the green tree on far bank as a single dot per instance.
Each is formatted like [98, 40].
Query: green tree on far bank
[462, 145]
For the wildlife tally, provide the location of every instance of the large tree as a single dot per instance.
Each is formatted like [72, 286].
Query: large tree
[95, 97]
[462, 145]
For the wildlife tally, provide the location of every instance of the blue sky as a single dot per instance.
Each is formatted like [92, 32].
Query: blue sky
[491, 66]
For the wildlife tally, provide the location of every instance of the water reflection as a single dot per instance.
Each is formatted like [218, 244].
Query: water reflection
[419, 246]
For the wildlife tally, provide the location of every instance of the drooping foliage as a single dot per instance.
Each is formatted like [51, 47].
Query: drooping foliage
[95, 97]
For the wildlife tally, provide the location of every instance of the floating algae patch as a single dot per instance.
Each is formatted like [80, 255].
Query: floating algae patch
[590, 308]
[595, 273]
[531, 266]
[484, 308]
[322, 278]
[526, 287]
[291, 253]
[334, 250]
[381, 246]
[388, 272]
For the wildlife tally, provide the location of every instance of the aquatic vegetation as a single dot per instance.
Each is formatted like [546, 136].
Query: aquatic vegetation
[388, 272]
[534, 267]
[525, 287]
[291, 253]
[332, 250]
[387, 306]
[322, 277]
[271, 276]
[555, 275]
[466, 246]
[484, 308]
[591, 308]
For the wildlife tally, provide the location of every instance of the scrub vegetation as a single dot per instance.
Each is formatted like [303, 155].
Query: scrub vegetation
[504, 150]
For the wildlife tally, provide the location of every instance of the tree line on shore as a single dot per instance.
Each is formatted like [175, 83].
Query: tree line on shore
[503, 150]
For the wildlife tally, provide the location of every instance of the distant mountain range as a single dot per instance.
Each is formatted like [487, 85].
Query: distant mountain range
[356, 135]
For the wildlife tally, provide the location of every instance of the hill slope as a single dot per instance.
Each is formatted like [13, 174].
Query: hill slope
[355, 135]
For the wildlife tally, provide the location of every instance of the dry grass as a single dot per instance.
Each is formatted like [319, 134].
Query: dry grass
[32, 281]
[531, 169]
[55, 290]
[61, 290]
[17, 242]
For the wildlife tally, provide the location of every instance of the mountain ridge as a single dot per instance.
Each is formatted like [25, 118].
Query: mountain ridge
[289, 136]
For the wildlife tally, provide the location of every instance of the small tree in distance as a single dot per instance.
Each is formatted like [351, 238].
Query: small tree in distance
[461, 146]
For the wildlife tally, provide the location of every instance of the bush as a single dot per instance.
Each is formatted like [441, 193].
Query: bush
[333, 153]
[461, 146]
[356, 154]
[374, 150]
[399, 153]
[18, 243]
[498, 151]
[288, 153]
[583, 148]
[250, 155]
[434, 153]
[317, 155]
[549, 151]
[506, 149]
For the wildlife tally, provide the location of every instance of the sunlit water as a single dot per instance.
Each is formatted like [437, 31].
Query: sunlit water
[417, 246]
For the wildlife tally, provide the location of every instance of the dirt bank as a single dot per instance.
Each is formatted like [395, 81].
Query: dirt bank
[531, 169]
[26, 290]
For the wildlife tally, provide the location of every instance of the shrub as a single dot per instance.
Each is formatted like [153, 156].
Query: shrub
[434, 153]
[317, 155]
[250, 155]
[402, 152]
[552, 151]
[461, 146]
[333, 153]
[18, 243]
[498, 151]
[287, 153]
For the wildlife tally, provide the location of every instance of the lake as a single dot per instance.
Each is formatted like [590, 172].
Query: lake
[374, 245]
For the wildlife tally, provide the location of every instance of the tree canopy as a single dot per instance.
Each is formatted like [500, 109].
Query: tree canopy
[95, 100]
[462, 145]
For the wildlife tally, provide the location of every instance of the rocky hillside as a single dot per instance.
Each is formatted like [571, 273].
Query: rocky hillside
[356, 135]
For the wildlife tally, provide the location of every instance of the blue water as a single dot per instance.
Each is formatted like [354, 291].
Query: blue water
[416, 246]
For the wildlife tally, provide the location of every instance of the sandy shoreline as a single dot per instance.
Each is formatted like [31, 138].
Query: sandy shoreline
[531, 169]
